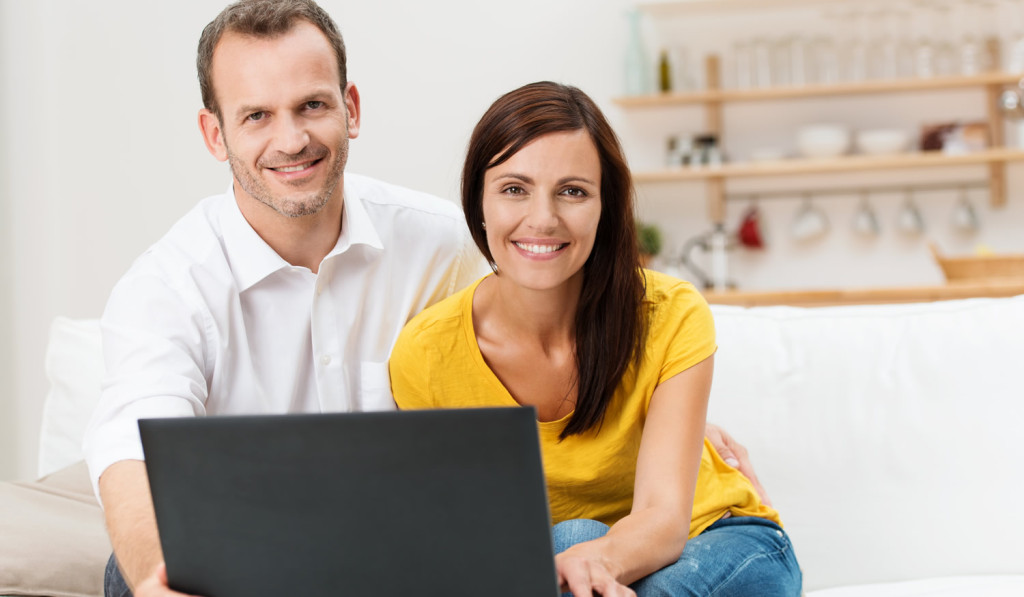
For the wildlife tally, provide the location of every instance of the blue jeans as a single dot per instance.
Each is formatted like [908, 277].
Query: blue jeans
[735, 557]
[113, 583]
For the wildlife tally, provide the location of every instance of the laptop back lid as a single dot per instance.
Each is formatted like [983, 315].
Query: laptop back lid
[439, 502]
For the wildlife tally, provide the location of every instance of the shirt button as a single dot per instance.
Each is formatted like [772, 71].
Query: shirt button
[325, 360]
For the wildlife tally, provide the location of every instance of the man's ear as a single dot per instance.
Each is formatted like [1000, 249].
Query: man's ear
[352, 106]
[213, 134]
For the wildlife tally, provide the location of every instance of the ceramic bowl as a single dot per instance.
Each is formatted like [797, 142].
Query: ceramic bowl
[823, 140]
[882, 141]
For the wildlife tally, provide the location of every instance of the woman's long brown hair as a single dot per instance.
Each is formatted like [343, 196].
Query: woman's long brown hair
[609, 322]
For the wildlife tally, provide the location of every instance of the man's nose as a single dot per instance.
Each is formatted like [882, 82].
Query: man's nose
[291, 136]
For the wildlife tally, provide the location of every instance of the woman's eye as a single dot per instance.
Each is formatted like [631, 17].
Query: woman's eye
[575, 192]
[513, 190]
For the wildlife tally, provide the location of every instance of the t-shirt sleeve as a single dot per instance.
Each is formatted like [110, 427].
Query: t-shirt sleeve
[683, 325]
[409, 370]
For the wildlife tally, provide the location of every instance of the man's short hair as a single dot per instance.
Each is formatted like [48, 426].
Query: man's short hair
[267, 19]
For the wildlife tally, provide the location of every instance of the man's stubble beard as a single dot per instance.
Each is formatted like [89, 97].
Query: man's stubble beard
[292, 207]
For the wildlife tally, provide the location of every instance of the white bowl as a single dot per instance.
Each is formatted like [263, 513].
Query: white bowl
[882, 141]
[823, 140]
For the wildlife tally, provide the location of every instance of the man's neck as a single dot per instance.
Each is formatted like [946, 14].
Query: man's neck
[302, 241]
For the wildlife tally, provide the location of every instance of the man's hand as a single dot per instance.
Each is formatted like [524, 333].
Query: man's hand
[155, 585]
[735, 455]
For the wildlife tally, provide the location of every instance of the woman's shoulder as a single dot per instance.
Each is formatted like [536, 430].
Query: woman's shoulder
[440, 320]
[662, 288]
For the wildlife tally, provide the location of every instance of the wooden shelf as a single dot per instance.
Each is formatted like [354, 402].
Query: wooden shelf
[853, 163]
[865, 296]
[879, 86]
[692, 7]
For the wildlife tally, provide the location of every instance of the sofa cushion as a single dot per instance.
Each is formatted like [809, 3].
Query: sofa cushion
[959, 586]
[74, 366]
[54, 541]
[888, 436]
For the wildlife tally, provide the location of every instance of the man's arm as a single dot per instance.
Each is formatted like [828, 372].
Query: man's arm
[131, 523]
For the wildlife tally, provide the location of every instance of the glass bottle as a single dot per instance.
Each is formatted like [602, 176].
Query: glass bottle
[637, 64]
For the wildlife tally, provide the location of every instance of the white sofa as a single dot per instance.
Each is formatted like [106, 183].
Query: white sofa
[889, 437]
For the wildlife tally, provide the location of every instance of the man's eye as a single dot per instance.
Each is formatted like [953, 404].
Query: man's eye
[314, 105]
[255, 116]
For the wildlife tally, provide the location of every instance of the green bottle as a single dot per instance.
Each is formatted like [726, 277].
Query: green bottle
[664, 72]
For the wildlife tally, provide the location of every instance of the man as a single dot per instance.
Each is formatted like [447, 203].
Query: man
[286, 293]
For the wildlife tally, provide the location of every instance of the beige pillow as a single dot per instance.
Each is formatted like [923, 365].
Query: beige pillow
[52, 538]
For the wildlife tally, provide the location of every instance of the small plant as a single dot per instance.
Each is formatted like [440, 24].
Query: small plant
[649, 238]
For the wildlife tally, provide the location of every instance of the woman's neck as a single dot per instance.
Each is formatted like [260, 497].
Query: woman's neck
[545, 318]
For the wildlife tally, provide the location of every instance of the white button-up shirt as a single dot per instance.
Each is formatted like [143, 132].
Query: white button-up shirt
[210, 320]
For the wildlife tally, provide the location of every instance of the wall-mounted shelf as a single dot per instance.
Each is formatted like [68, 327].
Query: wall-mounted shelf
[714, 98]
[879, 86]
[690, 7]
[867, 296]
[854, 163]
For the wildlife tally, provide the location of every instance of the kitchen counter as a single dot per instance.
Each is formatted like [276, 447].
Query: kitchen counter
[863, 296]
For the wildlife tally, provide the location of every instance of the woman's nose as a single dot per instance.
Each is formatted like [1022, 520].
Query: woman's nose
[543, 213]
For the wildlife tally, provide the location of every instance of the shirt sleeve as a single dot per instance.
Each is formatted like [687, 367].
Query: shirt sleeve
[154, 357]
[683, 325]
[410, 371]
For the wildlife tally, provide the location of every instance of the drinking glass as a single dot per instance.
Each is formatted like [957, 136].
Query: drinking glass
[762, 62]
[825, 64]
[883, 62]
[924, 51]
[945, 54]
[743, 64]
[856, 47]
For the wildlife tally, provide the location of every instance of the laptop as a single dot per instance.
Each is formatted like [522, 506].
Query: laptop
[430, 502]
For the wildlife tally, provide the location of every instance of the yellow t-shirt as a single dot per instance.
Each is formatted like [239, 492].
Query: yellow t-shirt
[437, 363]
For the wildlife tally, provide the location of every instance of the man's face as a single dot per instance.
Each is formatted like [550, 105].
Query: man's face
[285, 123]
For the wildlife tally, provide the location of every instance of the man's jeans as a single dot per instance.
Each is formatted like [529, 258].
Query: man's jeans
[735, 557]
[113, 582]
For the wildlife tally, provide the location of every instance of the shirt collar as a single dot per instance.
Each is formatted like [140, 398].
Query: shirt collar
[356, 226]
[252, 259]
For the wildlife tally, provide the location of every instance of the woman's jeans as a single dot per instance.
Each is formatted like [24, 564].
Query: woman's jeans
[735, 557]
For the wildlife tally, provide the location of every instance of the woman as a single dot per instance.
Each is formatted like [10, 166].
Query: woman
[616, 360]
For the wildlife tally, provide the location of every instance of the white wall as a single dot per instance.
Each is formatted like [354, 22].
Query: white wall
[101, 152]
[8, 440]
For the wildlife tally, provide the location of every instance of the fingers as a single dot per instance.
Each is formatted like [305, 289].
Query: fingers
[721, 441]
[156, 585]
[585, 577]
[735, 455]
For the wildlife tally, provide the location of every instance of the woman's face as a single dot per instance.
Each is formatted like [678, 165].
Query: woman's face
[541, 209]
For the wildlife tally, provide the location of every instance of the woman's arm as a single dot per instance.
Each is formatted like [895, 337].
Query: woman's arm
[653, 535]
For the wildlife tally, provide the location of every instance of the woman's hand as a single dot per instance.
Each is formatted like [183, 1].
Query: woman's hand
[585, 573]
